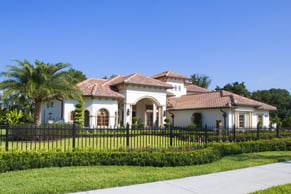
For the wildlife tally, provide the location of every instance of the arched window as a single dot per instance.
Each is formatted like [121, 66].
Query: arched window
[87, 118]
[102, 118]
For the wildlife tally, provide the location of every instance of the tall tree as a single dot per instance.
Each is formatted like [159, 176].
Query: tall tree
[201, 80]
[76, 75]
[39, 82]
[277, 97]
[237, 88]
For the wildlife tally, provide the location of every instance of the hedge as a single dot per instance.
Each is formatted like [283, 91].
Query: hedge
[20, 160]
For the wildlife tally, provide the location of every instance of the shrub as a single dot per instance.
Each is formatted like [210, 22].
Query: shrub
[192, 126]
[167, 122]
[286, 122]
[197, 119]
[134, 122]
[19, 160]
[79, 114]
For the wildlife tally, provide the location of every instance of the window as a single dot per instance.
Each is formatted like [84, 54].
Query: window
[260, 118]
[102, 118]
[50, 105]
[149, 107]
[87, 118]
[241, 121]
[260, 122]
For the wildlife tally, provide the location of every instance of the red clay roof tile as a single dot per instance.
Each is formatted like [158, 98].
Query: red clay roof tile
[217, 99]
[138, 79]
[96, 88]
[170, 74]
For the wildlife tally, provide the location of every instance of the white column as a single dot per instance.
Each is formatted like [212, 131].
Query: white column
[92, 120]
[127, 114]
[154, 115]
[164, 109]
[161, 117]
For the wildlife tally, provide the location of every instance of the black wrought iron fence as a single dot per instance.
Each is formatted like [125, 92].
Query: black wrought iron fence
[65, 137]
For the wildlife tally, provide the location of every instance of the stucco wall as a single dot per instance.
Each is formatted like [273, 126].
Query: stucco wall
[179, 88]
[210, 116]
[95, 105]
[69, 106]
[51, 111]
[133, 94]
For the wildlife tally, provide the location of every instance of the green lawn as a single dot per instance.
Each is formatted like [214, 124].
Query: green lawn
[282, 189]
[100, 143]
[73, 179]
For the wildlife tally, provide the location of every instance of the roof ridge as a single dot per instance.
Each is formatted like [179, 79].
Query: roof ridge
[130, 77]
[111, 80]
[93, 88]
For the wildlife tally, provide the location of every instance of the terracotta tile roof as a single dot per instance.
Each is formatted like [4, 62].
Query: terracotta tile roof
[191, 88]
[217, 99]
[97, 88]
[170, 94]
[243, 101]
[170, 74]
[138, 79]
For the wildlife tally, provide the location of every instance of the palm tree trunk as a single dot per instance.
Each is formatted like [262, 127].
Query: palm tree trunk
[37, 113]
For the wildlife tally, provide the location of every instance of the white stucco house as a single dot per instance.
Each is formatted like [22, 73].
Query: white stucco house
[114, 102]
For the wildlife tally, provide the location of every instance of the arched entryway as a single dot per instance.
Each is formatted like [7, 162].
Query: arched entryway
[148, 111]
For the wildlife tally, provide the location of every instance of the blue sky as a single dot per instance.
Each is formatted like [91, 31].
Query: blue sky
[228, 40]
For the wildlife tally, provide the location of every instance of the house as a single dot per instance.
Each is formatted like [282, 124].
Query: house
[114, 102]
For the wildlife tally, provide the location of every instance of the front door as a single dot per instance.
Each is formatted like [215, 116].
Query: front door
[149, 119]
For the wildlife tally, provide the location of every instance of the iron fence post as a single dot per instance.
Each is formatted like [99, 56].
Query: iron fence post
[234, 137]
[206, 134]
[127, 135]
[7, 138]
[258, 132]
[74, 136]
[171, 135]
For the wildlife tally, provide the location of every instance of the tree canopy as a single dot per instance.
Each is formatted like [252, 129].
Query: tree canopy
[237, 88]
[277, 97]
[76, 75]
[39, 82]
[201, 80]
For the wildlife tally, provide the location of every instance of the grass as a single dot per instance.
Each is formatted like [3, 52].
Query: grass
[73, 179]
[282, 189]
[100, 143]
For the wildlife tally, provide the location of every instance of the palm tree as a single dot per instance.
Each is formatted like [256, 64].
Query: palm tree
[39, 82]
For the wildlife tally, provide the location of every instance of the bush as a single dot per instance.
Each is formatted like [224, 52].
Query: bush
[167, 122]
[19, 160]
[286, 122]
